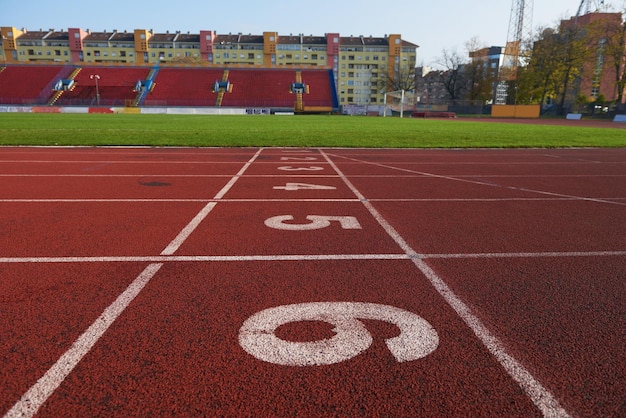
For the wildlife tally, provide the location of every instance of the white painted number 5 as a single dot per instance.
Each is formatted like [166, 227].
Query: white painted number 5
[417, 337]
[316, 222]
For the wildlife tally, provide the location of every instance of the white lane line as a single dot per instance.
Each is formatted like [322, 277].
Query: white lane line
[120, 175]
[177, 175]
[31, 401]
[203, 258]
[485, 183]
[99, 200]
[540, 396]
[184, 234]
[513, 199]
[130, 162]
[549, 254]
[167, 200]
[188, 230]
[300, 257]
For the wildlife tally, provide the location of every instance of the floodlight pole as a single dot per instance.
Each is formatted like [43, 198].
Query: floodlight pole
[96, 77]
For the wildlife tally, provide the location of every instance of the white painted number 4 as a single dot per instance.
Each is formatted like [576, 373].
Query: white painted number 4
[257, 336]
[315, 222]
[303, 186]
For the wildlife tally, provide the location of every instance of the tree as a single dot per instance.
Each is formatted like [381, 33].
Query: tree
[479, 76]
[610, 34]
[403, 79]
[554, 65]
[453, 77]
[574, 52]
[536, 81]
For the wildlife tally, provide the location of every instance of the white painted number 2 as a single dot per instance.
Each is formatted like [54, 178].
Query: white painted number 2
[417, 337]
[316, 222]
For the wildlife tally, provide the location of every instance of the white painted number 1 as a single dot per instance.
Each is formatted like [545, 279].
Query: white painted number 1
[257, 336]
[316, 222]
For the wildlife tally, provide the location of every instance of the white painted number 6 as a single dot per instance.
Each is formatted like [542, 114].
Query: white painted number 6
[417, 337]
[316, 222]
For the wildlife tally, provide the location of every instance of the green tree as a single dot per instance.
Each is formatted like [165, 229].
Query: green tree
[611, 35]
[555, 63]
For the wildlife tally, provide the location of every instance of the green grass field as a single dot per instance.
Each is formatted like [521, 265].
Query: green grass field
[291, 131]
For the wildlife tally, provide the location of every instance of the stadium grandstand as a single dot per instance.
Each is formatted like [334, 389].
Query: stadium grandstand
[145, 69]
[273, 90]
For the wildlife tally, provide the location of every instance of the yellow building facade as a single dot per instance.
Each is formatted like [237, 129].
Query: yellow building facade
[361, 65]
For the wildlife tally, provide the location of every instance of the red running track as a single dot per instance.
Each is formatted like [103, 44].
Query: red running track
[321, 282]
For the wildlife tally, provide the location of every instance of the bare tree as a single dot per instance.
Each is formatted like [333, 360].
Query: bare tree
[478, 74]
[403, 79]
[453, 77]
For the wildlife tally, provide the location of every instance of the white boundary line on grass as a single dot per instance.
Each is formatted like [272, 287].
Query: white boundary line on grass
[540, 396]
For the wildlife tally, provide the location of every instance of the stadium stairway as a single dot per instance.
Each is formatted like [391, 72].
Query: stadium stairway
[220, 93]
[299, 106]
[145, 88]
[59, 93]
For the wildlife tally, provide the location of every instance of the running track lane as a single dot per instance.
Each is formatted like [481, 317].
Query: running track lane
[131, 367]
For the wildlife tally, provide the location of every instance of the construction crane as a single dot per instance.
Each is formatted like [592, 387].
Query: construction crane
[586, 6]
[519, 34]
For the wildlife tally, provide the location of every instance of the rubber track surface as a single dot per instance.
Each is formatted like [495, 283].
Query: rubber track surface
[312, 282]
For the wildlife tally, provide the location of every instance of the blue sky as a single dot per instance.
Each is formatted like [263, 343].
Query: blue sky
[433, 25]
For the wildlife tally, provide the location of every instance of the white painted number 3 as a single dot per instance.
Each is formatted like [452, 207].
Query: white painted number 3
[315, 222]
[417, 337]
